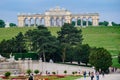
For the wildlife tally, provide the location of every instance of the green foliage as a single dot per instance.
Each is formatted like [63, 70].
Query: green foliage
[36, 71]
[2, 24]
[105, 23]
[42, 42]
[12, 24]
[119, 58]
[65, 71]
[15, 45]
[54, 73]
[115, 24]
[68, 36]
[7, 74]
[82, 53]
[100, 58]
[29, 71]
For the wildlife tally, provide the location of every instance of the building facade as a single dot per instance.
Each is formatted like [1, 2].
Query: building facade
[57, 17]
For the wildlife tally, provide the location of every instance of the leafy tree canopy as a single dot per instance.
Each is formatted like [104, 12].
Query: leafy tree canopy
[2, 24]
[100, 58]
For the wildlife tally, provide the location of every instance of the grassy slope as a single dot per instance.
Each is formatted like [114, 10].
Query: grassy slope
[107, 37]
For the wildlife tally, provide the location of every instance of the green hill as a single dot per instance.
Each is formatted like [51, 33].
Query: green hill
[107, 37]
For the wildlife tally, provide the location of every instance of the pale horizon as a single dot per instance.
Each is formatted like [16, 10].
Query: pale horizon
[108, 9]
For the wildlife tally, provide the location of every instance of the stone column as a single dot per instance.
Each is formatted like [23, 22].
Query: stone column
[55, 22]
[34, 22]
[40, 65]
[81, 22]
[31, 64]
[29, 22]
[21, 22]
[86, 22]
[76, 23]
[26, 64]
[20, 64]
[60, 22]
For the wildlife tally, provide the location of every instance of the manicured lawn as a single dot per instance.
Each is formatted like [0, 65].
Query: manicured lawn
[115, 63]
[107, 37]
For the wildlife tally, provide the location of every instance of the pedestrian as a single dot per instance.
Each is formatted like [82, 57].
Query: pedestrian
[97, 75]
[103, 73]
[84, 74]
[92, 75]
[89, 73]
[31, 77]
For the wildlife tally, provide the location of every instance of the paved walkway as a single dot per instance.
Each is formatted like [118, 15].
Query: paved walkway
[114, 76]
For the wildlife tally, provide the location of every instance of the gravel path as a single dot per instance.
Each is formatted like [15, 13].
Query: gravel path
[115, 76]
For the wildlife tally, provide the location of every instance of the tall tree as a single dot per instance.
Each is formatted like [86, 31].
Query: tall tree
[69, 35]
[119, 58]
[82, 53]
[2, 24]
[100, 58]
[43, 42]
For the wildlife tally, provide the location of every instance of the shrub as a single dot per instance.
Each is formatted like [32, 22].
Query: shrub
[7, 74]
[65, 72]
[73, 73]
[53, 73]
[36, 71]
[29, 71]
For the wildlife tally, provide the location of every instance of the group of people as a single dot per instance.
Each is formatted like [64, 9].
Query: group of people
[92, 74]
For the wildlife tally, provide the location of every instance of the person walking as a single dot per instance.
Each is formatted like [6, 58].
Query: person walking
[31, 77]
[97, 75]
[92, 75]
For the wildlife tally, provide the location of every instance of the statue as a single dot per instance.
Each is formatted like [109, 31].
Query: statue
[11, 59]
[2, 59]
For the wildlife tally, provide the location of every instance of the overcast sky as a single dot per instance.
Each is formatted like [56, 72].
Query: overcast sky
[108, 10]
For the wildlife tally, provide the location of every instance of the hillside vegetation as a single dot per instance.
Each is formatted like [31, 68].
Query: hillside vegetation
[107, 37]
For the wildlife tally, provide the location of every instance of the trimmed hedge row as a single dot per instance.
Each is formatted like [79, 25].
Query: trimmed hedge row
[34, 56]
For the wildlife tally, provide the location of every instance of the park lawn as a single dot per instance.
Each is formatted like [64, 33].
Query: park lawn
[115, 63]
[107, 37]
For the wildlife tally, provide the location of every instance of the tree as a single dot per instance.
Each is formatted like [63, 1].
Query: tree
[100, 58]
[36, 71]
[82, 53]
[69, 35]
[2, 24]
[12, 24]
[7, 74]
[119, 58]
[105, 23]
[29, 71]
[42, 42]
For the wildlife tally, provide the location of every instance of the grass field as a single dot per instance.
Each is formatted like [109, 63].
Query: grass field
[107, 37]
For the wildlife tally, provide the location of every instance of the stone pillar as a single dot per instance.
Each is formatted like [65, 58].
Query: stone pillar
[81, 22]
[55, 22]
[76, 23]
[40, 65]
[60, 22]
[20, 64]
[86, 22]
[21, 22]
[34, 22]
[26, 64]
[47, 21]
[31, 64]
[29, 22]
[95, 22]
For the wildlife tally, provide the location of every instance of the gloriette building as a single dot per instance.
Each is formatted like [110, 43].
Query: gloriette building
[57, 17]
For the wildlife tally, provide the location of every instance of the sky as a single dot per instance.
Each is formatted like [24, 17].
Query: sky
[109, 10]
